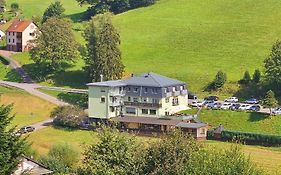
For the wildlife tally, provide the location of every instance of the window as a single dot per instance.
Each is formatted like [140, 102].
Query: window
[135, 89]
[167, 113]
[120, 89]
[102, 99]
[13, 33]
[32, 34]
[154, 90]
[152, 112]
[145, 100]
[129, 89]
[154, 100]
[112, 109]
[167, 100]
[135, 99]
[202, 131]
[175, 101]
[129, 98]
[9, 40]
[145, 90]
[144, 111]
[13, 40]
[130, 110]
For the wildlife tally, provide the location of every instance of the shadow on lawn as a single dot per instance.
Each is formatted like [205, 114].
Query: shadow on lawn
[256, 117]
[78, 17]
[80, 100]
[13, 76]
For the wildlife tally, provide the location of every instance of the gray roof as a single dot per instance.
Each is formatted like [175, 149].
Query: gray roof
[191, 125]
[111, 83]
[153, 80]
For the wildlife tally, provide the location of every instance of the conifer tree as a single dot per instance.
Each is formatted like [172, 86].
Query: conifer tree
[103, 56]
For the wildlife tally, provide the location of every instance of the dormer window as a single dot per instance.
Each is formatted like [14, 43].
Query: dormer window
[135, 89]
[145, 90]
[181, 88]
[174, 89]
[154, 90]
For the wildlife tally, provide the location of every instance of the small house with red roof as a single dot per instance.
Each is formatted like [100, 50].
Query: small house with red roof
[19, 34]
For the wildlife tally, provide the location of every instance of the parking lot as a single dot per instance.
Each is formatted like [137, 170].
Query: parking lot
[235, 105]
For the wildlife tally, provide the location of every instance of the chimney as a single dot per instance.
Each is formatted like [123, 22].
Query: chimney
[101, 77]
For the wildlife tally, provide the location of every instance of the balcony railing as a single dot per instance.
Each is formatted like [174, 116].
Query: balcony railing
[169, 94]
[122, 93]
[154, 105]
[176, 93]
[115, 103]
[183, 92]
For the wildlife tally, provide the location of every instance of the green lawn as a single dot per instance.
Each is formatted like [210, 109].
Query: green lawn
[27, 108]
[6, 72]
[242, 121]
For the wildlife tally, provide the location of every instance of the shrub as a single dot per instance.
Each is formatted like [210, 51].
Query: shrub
[68, 116]
[15, 7]
[246, 78]
[218, 82]
[257, 76]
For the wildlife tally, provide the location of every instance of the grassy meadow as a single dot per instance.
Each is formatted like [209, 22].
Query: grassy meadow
[188, 40]
[27, 108]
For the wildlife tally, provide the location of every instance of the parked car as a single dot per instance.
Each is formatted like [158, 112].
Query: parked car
[214, 105]
[213, 98]
[26, 129]
[252, 101]
[277, 111]
[234, 106]
[255, 108]
[192, 96]
[207, 102]
[226, 105]
[232, 99]
[197, 104]
[244, 107]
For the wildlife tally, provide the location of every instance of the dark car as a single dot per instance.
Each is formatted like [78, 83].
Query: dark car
[255, 108]
[192, 96]
[26, 129]
[213, 98]
[234, 106]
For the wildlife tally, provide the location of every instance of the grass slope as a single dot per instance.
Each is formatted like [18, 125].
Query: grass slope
[27, 109]
[191, 40]
[242, 121]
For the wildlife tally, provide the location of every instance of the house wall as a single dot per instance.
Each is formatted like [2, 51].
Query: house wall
[202, 132]
[96, 108]
[27, 35]
[168, 107]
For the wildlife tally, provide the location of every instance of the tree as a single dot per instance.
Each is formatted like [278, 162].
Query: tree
[54, 46]
[68, 116]
[257, 76]
[11, 145]
[246, 78]
[272, 64]
[270, 101]
[115, 153]
[61, 158]
[219, 81]
[54, 10]
[103, 53]
[15, 7]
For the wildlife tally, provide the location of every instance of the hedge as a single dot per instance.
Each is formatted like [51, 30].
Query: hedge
[251, 138]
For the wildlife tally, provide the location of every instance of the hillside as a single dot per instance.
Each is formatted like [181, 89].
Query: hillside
[191, 40]
[188, 40]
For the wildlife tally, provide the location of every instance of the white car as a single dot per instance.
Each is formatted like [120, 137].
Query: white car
[226, 105]
[197, 104]
[277, 111]
[244, 107]
[232, 99]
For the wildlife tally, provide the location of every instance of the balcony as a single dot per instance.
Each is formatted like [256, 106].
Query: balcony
[115, 103]
[183, 92]
[176, 93]
[117, 94]
[169, 94]
[152, 105]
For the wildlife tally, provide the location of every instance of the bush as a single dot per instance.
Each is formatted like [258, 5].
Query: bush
[218, 82]
[61, 158]
[246, 78]
[251, 138]
[257, 76]
[68, 116]
[15, 7]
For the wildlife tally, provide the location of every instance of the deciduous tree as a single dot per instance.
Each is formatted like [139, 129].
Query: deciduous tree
[11, 145]
[103, 56]
[55, 45]
[54, 10]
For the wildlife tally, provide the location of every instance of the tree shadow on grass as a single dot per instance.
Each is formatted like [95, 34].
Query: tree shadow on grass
[78, 17]
[256, 117]
[73, 79]
[67, 129]
[250, 90]
[13, 76]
